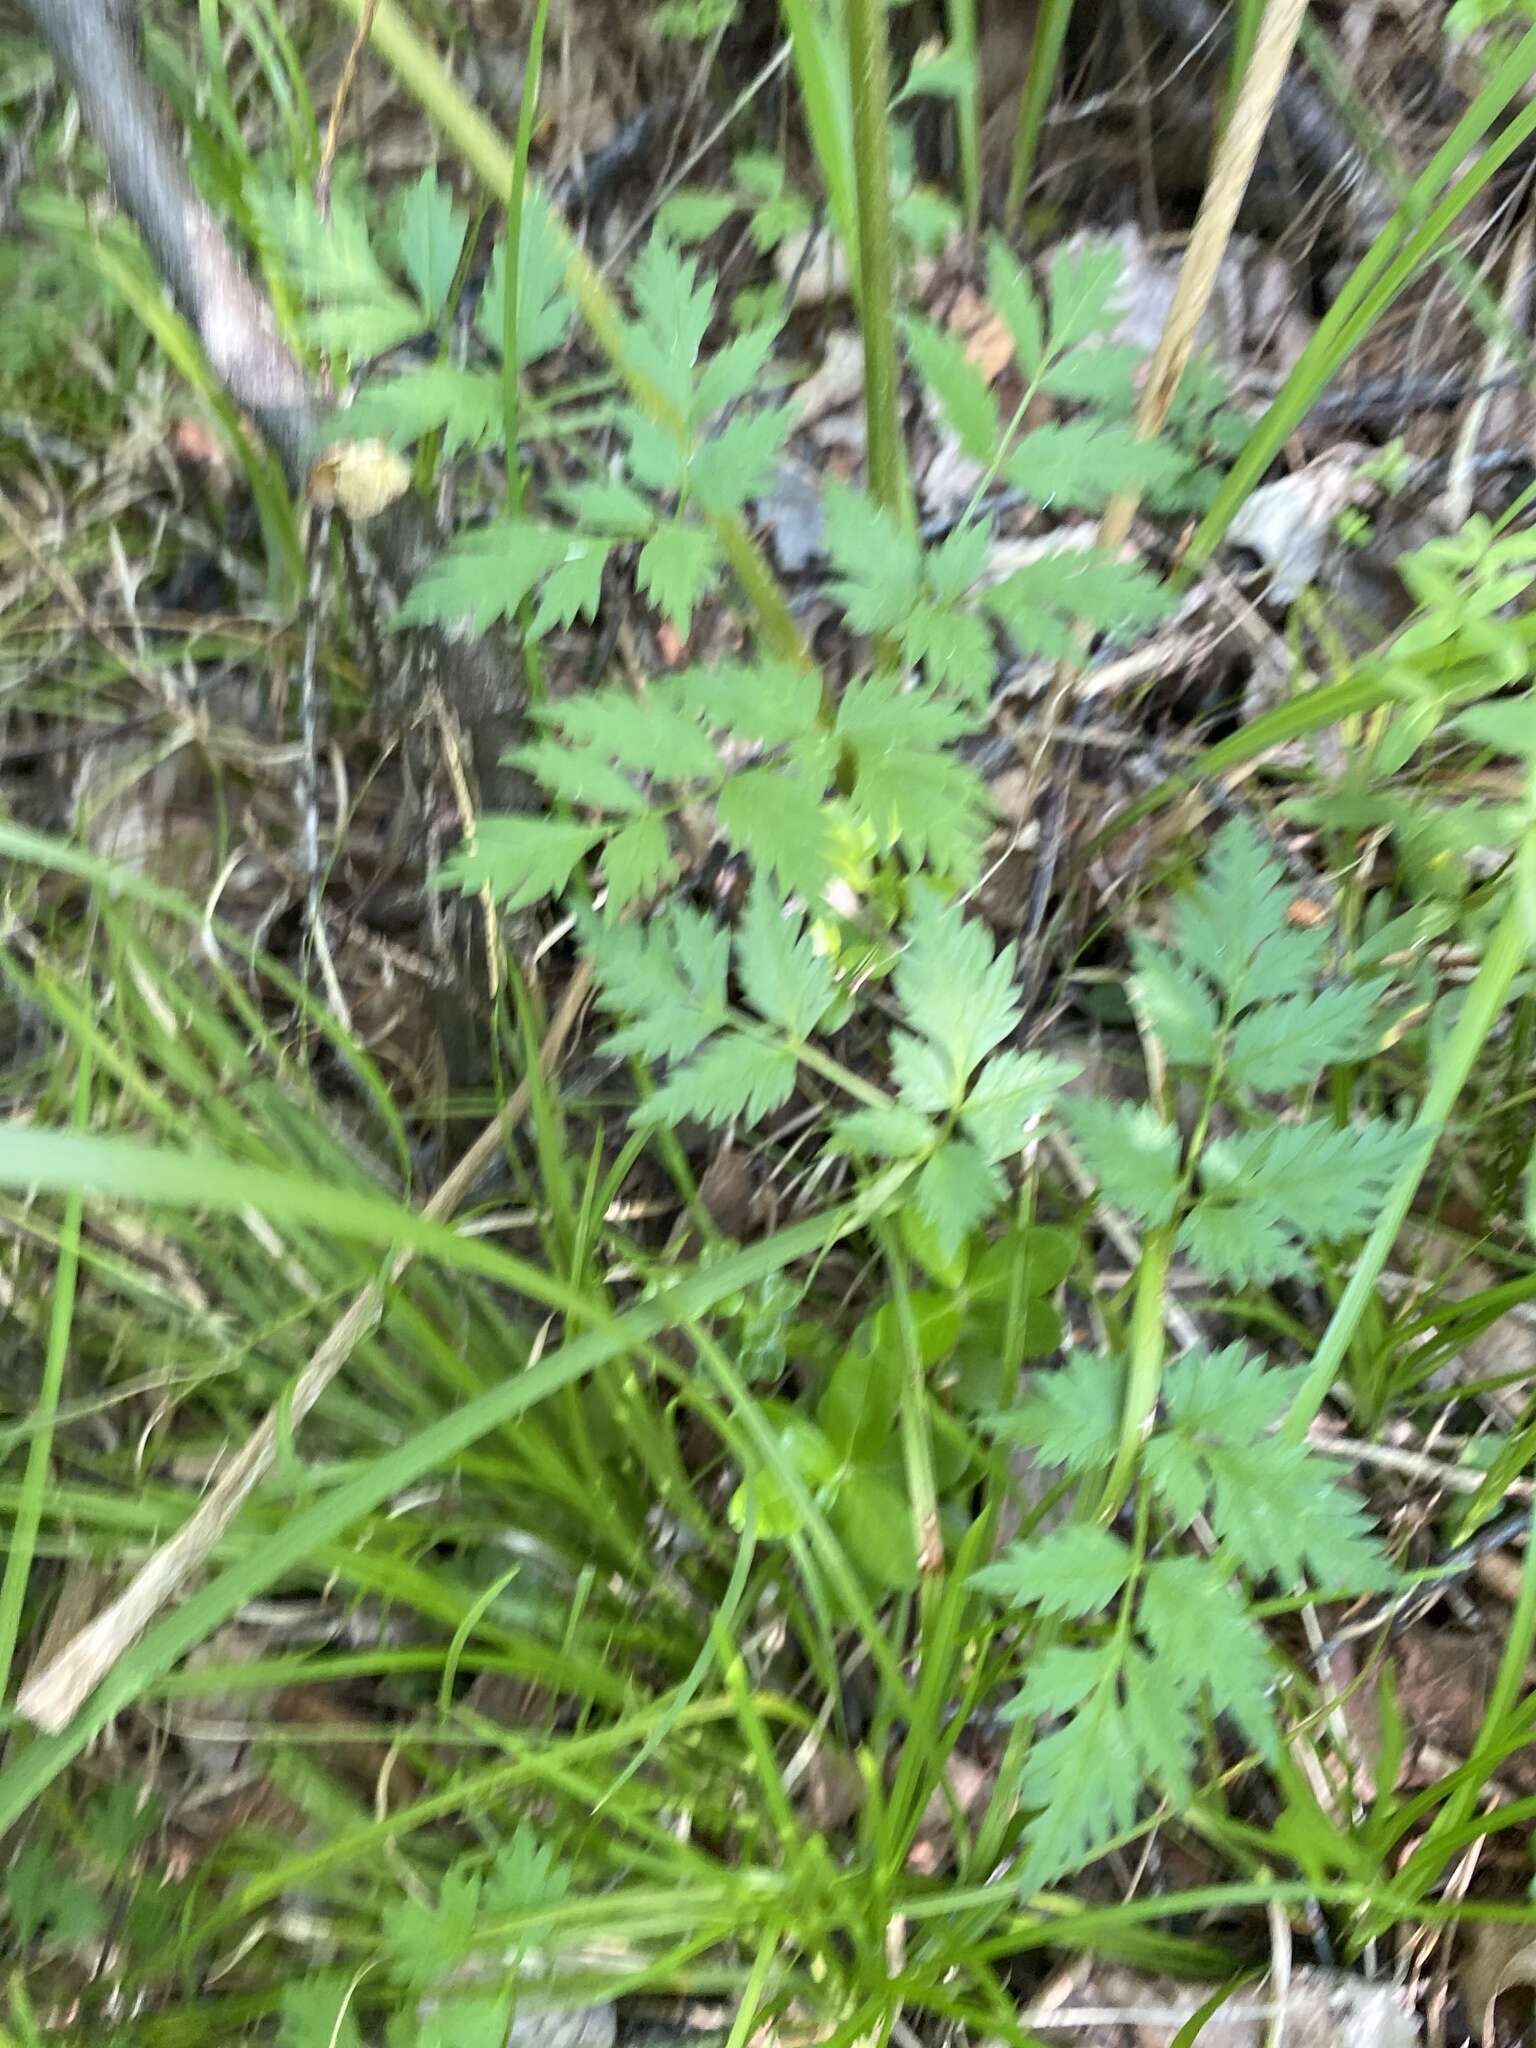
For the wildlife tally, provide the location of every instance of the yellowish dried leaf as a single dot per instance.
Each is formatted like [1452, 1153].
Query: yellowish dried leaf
[362, 477]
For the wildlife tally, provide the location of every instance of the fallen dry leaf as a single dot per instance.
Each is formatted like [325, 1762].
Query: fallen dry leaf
[988, 343]
[363, 477]
[1493, 1961]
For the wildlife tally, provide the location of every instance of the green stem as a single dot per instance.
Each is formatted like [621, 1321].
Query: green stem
[1144, 1377]
[511, 335]
[916, 1442]
[869, 73]
[840, 1076]
[488, 156]
[1506, 955]
[1044, 59]
[513, 259]
[962, 36]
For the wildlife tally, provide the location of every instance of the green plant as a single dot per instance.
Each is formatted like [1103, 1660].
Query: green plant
[985, 1311]
[1466, 17]
[1235, 999]
[881, 748]
[861, 792]
[722, 1513]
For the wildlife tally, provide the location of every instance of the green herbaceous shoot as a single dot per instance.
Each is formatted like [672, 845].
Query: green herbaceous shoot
[766, 1269]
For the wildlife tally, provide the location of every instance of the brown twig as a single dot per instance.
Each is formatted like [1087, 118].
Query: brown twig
[348, 79]
[52, 1695]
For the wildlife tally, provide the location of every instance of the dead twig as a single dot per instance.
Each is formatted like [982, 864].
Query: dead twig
[349, 71]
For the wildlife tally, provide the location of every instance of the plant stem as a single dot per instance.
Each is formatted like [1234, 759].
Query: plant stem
[819, 1062]
[1507, 953]
[962, 35]
[1044, 57]
[488, 156]
[1145, 1375]
[513, 259]
[917, 1446]
[511, 352]
[869, 75]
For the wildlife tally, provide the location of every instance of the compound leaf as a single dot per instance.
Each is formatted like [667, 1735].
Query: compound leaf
[878, 561]
[424, 1943]
[1071, 1414]
[734, 1079]
[1075, 1570]
[957, 1189]
[736, 461]
[521, 860]
[668, 978]
[780, 819]
[484, 575]
[1080, 464]
[1207, 1646]
[429, 234]
[544, 309]
[1284, 1043]
[676, 567]
[1084, 1777]
[784, 976]
[954, 990]
[464, 406]
[1013, 295]
[1174, 1006]
[961, 390]
[1011, 1093]
[1084, 292]
[1131, 1153]
[637, 861]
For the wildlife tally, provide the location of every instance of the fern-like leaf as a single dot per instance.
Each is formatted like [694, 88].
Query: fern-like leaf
[1071, 1415]
[429, 237]
[735, 1079]
[783, 821]
[1131, 1153]
[956, 1190]
[464, 406]
[668, 979]
[485, 575]
[1075, 1570]
[912, 792]
[787, 981]
[544, 308]
[1043, 603]
[1268, 1193]
[955, 991]
[1206, 1646]
[520, 860]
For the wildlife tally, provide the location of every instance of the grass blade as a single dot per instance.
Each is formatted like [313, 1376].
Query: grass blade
[304, 1534]
[1051, 26]
[34, 1483]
